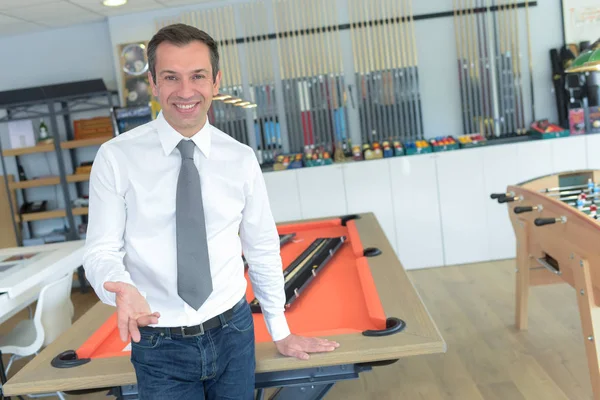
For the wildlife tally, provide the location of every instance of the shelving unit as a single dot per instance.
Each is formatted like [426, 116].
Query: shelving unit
[52, 104]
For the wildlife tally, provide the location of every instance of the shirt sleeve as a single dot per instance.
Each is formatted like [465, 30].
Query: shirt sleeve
[103, 255]
[260, 244]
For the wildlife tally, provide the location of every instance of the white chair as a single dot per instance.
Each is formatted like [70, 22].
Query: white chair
[53, 316]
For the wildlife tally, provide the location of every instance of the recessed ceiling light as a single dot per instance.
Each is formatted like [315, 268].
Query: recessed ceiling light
[114, 3]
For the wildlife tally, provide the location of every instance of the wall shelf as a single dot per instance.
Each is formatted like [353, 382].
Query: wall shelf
[39, 216]
[48, 181]
[56, 104]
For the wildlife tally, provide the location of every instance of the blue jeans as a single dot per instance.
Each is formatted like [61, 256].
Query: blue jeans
[217, 365]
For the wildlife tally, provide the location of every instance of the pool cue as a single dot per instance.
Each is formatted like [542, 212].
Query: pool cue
[386, 84]
[509, 66]
[223, 121]
[473, 65]
[375, 44]
[305, 106]
[318, 68]
[369, 34]
[219, 17]
[501, 70]
[400, 72]
[327, 50]
[297, 84]
[519, 78]
[491, 62]
[384, 75]
[529, 60]
[286, 78]
[390, 70]
[257, 85]
[225, 17]
[357, 72]
[470, 74]
[306, 78]
[313, 72]
[272, 95]
[485, 72]
[480, 69]
[197, 19]
[340, 84]
[388, 76]
[461, 69]
[329, 76]
[474, 45]
[415, 67]
[467, 66]
[260, 66]
[371, 70]
[367, 78]
[410, 112]
[362, 85]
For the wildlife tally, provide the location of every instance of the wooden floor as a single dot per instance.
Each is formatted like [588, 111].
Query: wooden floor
[473, 306]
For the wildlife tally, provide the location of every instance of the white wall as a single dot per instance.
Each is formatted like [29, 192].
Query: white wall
[56, 56]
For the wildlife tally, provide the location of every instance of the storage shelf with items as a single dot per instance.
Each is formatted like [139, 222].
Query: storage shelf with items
[61, 126]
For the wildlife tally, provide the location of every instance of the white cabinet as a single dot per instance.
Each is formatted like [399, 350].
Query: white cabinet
[322, 191]
[463, 201]
[534, 159]
[592, 151]
[368, 189]
[568, 154]
[435, 209]
[499, 171]
[416, 211]
[282, 187]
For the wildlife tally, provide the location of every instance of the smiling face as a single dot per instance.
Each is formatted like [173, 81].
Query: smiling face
[184, 84]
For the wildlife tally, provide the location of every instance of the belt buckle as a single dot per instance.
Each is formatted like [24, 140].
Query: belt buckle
[184, 334]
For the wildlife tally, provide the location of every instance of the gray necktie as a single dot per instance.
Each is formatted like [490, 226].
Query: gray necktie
[194, 282]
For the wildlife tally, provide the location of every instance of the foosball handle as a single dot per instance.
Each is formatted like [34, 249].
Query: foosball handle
[519, 210]
[507, 199]
[495, 196]
[548, 221]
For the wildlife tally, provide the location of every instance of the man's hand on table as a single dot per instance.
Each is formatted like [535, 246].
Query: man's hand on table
[300, 346]
[133, 310]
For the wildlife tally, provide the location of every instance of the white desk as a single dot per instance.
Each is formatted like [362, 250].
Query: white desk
[25, 270]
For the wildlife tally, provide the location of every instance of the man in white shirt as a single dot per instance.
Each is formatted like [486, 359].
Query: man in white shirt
[173, 204]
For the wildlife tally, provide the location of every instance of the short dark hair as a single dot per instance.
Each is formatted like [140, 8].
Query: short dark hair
[180, 35]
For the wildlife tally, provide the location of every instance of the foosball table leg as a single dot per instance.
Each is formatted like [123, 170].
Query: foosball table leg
[589, 313]
[522, 278]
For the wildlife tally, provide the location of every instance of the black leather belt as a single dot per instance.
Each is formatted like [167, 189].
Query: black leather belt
[196, 330]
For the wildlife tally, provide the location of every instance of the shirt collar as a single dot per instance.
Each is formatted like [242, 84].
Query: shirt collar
[170, 138]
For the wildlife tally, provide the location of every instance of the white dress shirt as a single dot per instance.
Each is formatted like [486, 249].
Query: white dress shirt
[131, 227]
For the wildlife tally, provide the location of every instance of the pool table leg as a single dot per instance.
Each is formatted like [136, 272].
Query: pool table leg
[2, 378]
[306, 392]
[307, 383]
[522, 278]
[589, 314]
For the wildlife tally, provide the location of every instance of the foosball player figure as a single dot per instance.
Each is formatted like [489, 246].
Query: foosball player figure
[594, 210]
[581, 201]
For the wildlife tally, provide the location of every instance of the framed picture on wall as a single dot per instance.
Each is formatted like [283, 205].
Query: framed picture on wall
[581, 20]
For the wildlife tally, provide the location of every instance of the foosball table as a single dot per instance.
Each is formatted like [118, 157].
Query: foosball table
[557, 231]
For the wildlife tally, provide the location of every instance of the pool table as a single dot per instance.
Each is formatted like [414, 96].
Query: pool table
[357, 294]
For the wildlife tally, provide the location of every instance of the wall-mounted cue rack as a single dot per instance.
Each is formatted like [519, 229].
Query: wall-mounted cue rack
[320, 81]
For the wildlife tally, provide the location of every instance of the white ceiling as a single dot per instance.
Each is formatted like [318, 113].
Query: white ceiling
[21, 16]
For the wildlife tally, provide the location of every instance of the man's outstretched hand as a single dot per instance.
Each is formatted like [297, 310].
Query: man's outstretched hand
[300, 346]
[133, 310]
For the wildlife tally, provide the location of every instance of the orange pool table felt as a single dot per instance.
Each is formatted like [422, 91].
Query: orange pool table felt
[341, 299]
